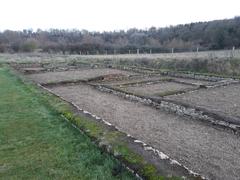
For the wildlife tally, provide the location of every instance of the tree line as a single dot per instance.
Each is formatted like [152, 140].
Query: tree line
[212, 35]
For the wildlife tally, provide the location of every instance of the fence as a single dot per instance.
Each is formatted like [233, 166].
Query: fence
[233, 53]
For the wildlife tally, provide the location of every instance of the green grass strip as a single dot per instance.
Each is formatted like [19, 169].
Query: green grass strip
[37, 143]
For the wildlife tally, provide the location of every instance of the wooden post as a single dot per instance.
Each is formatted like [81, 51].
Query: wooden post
[172, 50]
[137, 51]
[197, 49]
[129, 51]
[233, 49]
[150, 51]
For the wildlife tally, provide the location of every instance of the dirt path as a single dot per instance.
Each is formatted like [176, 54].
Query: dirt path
[211, 152]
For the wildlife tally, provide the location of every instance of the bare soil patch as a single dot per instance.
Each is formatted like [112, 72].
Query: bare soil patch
[193, 81]
[134, 79]
[212, 152]
[155, 77]
[224, 99]
[32, 70]
[157, 89]
[84, 74]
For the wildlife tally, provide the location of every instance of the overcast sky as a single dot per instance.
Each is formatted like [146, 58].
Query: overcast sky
[108, 15]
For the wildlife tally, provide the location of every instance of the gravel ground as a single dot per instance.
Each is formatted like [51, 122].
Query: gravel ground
[214, 153]
[162, 88]
[193, 81]
[133, 79]
[154, 78]
[224, 99]
[85, 74]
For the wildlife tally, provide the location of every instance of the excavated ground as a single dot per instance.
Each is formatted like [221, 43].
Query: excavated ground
[193, 81]
[210, 151]
[149, 78]
[84, 74]
[157, 89]
[225, 99]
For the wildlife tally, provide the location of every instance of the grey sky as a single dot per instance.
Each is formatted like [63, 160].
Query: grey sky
[100, 15]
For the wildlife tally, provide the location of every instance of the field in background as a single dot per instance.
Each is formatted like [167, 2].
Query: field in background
[224, 62]
[182, 55]
[225, 54]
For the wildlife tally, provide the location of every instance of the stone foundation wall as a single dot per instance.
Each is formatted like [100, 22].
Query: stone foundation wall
[173, 107]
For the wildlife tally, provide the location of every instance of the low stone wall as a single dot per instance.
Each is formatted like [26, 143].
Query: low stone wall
[215, 81]
[194, 76]
[179, 109]
[176, 74]
[223, 83]
[137, 70]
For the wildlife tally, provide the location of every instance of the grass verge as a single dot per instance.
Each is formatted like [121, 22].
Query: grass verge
[37, 143]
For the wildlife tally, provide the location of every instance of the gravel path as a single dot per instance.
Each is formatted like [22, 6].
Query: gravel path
[214, 153]
[225, 99]
[85, 74]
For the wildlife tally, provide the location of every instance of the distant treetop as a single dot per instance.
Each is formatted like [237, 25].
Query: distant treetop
[212, 35]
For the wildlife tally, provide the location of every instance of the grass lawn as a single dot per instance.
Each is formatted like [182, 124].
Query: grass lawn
[37, 143]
